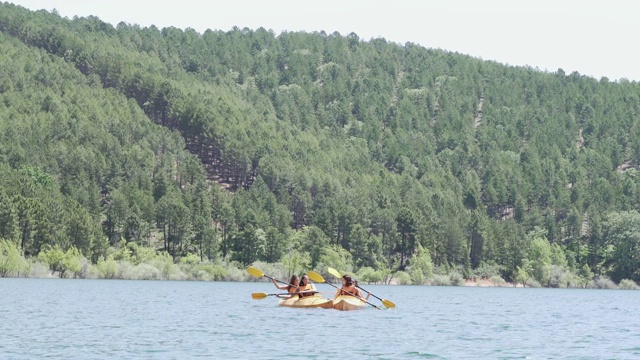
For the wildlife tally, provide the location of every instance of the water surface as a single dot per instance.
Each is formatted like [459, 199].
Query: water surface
[98, 319]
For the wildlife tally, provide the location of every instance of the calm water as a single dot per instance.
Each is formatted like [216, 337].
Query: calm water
[85, 319]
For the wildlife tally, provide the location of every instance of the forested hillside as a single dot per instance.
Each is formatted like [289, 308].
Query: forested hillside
[312, 148]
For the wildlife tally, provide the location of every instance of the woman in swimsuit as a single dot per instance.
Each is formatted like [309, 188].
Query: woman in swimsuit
[292, 287]
[349, 288]
[306, 288]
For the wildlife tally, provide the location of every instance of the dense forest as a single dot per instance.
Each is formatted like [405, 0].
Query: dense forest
[310, 149]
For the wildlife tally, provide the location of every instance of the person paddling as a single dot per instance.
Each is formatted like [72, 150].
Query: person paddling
[349, 288]
[306, 287]
[292, 287]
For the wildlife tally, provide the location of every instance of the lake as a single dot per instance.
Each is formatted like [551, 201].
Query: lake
[117, 319]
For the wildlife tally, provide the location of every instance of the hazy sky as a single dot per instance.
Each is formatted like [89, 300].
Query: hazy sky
[595, 38]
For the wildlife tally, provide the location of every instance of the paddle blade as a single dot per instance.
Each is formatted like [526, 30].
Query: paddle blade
[254, 272]
[388, 304]
[258, 296]
[315, 277]
[334, 272]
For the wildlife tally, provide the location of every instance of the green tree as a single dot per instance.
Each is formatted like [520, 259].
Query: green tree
[539, 256]
[622, 232]
[406, 224]
[420, 265]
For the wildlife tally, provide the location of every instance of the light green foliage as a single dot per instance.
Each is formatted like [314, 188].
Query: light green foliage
[296, 262]
[164, 263]
[558, 256]
[402, 278]
[523, 273]
[420, 265]
[189, 264]
[107, 268]
[213, 272]
[585, 276]
[539, 256]
[439, 280]
[627, 284]
[369, 275]
[235, 273]
[124, 252]
[336, 257]
[61, 262]
[487, 270]
[11, 261]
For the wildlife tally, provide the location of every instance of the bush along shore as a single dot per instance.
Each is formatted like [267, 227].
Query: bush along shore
[133, 262]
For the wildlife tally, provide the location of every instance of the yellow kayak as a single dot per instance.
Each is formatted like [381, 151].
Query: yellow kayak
[314, 301]
[346, 302]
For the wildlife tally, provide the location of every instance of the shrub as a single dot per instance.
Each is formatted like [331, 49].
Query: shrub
[559, 277]
[107, 269]
[627, 284]
[235, 274]
[276, 271]
[146, 272]
[456, 279]
[189, 264]
[439, 280]
[488, 270]
[85, 268]
[533, 283]
[143, 254]
[26, 267]
[369, 275]
[364, 273]
[402, 278]
[125, 271]
[497, 280]
[219, 272]
[60, 261]
[603, 282]
[421, 261]
[164, 263]
[417, 277]
[11, 260]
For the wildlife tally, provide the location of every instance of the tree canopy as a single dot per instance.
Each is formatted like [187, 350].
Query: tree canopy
[254, 146]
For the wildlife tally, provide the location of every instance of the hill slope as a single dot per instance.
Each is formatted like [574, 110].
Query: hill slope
[373, 147]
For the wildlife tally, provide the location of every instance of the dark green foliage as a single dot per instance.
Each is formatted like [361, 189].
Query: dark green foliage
[371, 146]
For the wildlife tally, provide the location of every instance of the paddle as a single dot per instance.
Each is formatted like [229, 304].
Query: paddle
[387, 303]
[257, 273]
[315, 277]
[260, 296]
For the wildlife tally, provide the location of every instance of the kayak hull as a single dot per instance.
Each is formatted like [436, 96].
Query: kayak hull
[315, 301]
[346, 302]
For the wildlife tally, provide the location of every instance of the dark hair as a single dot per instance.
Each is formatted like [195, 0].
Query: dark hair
[294, 277]
[348, 280]
[305, 279]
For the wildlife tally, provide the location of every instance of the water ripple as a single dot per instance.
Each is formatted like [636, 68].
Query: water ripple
[98, 319]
